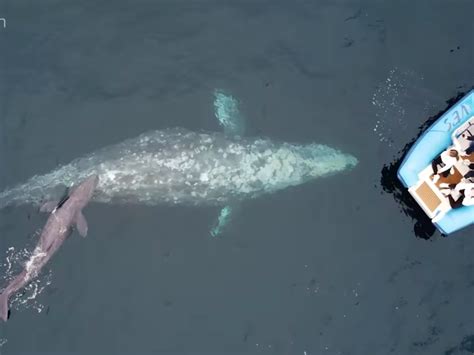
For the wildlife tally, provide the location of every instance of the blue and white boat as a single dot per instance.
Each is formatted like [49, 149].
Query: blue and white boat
[416, 171]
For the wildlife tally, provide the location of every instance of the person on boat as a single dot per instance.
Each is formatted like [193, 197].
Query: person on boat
[468, 195]
[444, 164]
[470, 174]
[461, 194]
[464, 140]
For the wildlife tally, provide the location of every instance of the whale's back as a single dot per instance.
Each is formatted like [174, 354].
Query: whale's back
[174, 165]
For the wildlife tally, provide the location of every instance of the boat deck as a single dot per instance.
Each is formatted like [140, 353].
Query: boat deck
[428, 194]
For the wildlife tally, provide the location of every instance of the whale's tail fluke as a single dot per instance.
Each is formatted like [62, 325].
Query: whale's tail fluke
[4, 297]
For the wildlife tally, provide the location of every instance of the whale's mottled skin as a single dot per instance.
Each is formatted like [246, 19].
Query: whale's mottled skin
[63, 217]
[177, 166]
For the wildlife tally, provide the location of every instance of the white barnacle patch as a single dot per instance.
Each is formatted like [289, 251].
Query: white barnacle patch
[235, 149]
[265, 173]
[144, 139]
[110, 175]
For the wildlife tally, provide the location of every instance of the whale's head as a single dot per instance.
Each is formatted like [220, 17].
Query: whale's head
[317, 160]
[84, 191]
[291, 165]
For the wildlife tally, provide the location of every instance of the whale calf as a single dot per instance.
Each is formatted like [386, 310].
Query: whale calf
[64, 215]
[178, 166]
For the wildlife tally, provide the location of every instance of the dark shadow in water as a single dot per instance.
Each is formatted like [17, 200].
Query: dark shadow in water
[390, 183]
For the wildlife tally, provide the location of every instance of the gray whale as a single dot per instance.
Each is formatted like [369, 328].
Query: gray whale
[177, 166]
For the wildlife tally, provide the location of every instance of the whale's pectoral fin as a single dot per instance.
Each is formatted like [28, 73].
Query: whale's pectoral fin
[49, 206]
[224, 218]
[81, 224]
[228, 114]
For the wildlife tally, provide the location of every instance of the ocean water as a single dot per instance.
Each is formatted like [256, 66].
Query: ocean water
[335, 266]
